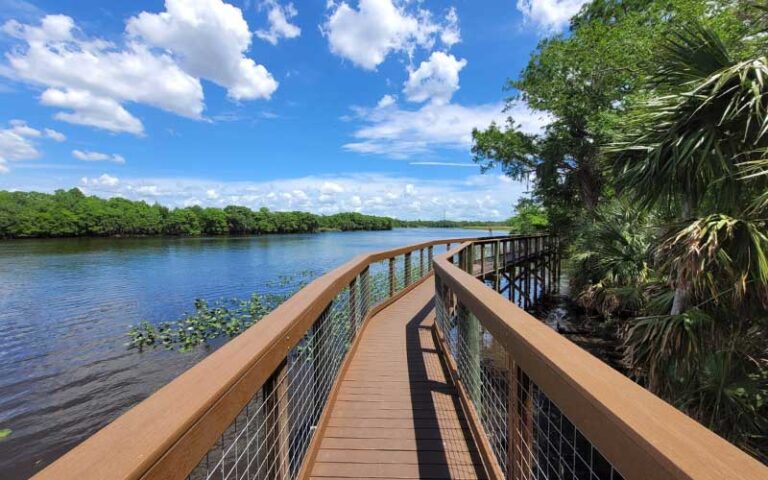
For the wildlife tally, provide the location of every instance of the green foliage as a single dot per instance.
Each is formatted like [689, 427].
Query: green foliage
[586, 81]
[530, 217]
[709, 114]
[5, 433]
[72, 214]
[612, 264]
[655, 170]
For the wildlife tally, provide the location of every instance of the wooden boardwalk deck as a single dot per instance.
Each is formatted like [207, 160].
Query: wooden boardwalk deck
[397, 414]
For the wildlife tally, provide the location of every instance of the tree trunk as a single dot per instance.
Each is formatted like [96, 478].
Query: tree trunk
[682, 289]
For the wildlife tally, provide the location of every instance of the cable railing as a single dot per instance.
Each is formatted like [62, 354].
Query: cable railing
[541, 407]
[252, 409]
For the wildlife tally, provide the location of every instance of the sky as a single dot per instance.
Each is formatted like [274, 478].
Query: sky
[320, 106]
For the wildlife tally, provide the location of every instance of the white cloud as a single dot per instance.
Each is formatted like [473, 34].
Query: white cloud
[279, 22]
[91, 110]
[451, 34]
[105, 180]
[550, 15]
[163, 57]
[90, 156]
[56, 56]
[445, 164]
[331, 187]
[435, 80]
[209, 38]
[366, 35]
[54, 135]
[18, 142]
[476, 197]
[386, 101]
[400, 133]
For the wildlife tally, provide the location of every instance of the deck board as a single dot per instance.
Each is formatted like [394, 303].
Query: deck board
[397, 414]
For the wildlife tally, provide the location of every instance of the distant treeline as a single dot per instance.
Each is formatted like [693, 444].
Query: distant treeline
[70, 213]
[448, 223]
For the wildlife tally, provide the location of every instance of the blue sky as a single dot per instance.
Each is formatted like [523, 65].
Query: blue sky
[319, 106]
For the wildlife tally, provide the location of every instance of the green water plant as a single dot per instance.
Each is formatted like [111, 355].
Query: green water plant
[209, 321]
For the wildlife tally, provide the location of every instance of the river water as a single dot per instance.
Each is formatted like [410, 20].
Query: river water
[66, 305]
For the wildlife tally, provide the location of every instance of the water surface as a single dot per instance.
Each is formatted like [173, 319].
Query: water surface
[65, 306]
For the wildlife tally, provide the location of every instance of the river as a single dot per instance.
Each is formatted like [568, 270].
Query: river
[66, 305]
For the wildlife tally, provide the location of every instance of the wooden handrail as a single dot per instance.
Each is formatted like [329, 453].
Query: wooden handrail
[166, 435]
[640, 434]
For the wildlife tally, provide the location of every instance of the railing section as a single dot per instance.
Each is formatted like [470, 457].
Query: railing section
[271, 435]
[544, 408]
[251, 409]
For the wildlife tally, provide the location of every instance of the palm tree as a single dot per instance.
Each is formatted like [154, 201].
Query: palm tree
[697, 152]
[686, 149]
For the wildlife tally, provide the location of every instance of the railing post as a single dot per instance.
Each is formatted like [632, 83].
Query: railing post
[519, 423]
[319, 360]
[352, 308]
[430, 253]
[365, 291]
[421, 263]
[469, 334]
[526, 273]
[392, 276]
[497, 264]
[482, 261]
[276, 463]
[407, 260]
[557, 264]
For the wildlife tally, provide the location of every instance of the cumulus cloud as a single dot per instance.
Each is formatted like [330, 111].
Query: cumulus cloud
[209, 38]
[105, 180]
[367, 34]
[91, 110]
[91, 156]
[160, 63]
[402, 133]
[435, 80]
[279, 17]
[486, 197]
[550, 15]
[92, 76]
[18, 142]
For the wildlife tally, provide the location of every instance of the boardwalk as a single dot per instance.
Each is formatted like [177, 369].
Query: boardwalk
[397, 414]
[343, 380]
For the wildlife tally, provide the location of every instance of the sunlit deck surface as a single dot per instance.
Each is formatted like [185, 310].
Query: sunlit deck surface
[398, 414]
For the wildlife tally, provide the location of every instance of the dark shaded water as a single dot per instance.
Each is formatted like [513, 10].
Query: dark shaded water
[65, 306]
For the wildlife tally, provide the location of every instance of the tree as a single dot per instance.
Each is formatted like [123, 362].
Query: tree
[530, 217]
[584, 82]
